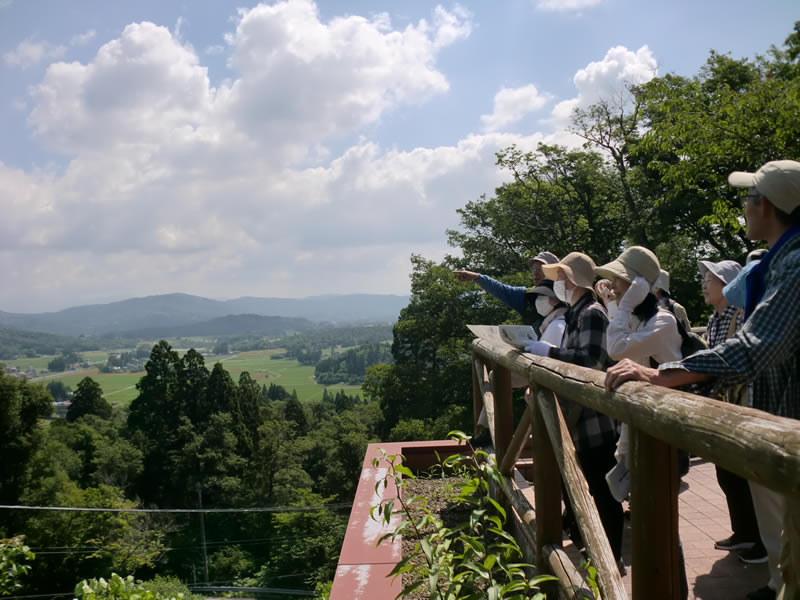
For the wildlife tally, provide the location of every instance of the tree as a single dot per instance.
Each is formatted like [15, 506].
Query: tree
[22, 404]
[14, 555]
[59, 391]
[295, 413]
[88, 400]
[220, 347]
[57, 365]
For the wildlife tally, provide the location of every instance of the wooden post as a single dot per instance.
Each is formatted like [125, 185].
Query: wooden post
[477, 395]
[503, 411]
[546, 486]
[654, 518]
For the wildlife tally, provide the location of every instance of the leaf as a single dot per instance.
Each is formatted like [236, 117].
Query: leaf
[405, 471]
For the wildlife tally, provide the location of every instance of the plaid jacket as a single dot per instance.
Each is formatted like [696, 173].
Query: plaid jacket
[584, 344]
[766, 350]
[719, 324]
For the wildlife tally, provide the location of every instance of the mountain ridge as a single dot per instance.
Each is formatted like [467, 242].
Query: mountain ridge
[177, 309]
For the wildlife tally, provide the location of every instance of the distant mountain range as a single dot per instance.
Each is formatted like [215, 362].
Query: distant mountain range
[162, 314]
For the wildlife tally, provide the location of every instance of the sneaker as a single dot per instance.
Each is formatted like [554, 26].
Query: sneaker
[733, 543]
[764, 593]
[482, 440]
[754, 556]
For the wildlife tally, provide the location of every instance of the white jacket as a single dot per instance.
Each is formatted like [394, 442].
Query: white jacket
[628, 336]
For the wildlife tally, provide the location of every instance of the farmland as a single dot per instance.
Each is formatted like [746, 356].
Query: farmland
[120, 388]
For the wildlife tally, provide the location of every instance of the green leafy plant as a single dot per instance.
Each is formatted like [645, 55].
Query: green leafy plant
[13, 556]
[125, 588]
[474, 560]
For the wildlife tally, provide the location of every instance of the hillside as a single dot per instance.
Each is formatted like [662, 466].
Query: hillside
[227, 325]
[172, 310]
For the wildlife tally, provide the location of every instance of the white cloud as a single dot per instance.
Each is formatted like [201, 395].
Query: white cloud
[28, 53]
[512, 104]
[607, 79]
[565, 5]
[83, 38]
[174, 185]
[215, 49]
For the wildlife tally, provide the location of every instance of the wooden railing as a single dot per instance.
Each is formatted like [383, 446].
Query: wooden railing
[754, 444]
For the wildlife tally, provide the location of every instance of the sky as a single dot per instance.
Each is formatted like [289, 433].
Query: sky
[294, 148]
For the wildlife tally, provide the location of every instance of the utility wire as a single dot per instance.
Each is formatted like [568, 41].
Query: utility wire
[266, 509]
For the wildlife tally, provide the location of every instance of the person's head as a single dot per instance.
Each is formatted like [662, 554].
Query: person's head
[546, 300]
[634, 262]
[543, 258]
[661, 286]
[772, 202]
[755, 255]
[572, 277]
[714, 277]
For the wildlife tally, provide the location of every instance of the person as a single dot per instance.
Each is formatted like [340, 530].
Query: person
[735, 292]
[553, 326]
[605, 293]
[722, 324]
[640, 330]
[520, 298]
[661, 290]
[584, 344]
[765, 351]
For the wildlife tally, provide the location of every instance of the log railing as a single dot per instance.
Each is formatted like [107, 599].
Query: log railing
[756, 445]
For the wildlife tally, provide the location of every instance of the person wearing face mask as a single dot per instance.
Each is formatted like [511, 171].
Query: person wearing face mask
[520, 298]
[584, 344]
[642, 331]
[638, 329]
[552, 311]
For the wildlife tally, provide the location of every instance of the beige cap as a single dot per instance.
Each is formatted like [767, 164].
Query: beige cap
[634, 262]
[577, 267]
[662, 283]
[778, 180]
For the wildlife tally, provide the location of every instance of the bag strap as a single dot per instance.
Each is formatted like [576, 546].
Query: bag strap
[734, 322]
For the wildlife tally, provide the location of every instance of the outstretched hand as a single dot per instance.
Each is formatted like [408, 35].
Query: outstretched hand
[463, 275]
[627, 370]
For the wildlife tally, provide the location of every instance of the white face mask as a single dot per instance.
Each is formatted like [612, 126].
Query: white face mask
[560, 289]
[611, 308]
[543, 305]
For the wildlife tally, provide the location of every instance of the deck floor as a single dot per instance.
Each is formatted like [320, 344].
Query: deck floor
[712, 574]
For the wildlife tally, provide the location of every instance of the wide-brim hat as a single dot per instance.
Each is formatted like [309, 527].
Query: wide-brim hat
[544, 289]
[577, 267]
[546, 258]
[726, 270]
[777, 180]
[634, 262]
[662, 283]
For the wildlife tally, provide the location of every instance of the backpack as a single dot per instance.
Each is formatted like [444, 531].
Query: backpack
[690, 341]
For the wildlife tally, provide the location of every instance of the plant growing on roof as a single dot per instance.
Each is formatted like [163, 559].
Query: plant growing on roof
[474, 560]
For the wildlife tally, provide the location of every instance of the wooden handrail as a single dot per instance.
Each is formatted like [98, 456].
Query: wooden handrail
[756, 445]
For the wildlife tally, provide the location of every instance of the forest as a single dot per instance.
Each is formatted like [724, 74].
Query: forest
[652, 172]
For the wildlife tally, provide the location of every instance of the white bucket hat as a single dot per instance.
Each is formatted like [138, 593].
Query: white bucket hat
[726, 270]
[662, 283]
[778, 180]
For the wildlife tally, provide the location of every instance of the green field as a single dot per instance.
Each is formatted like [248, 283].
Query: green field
[120, 388]
[40, 362]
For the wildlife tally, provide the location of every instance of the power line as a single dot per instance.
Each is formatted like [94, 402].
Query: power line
[265, 509]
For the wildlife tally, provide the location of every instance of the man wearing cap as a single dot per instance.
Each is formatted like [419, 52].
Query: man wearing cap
[765, 351]
[584, 344]
[521, 299]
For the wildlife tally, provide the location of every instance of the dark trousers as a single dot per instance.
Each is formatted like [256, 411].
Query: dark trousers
[595, 463]
[740, 506]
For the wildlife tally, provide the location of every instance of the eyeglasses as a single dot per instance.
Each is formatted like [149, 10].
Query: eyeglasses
[753, 195]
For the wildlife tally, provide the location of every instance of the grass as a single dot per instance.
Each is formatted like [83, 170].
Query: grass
[40, 362]
[120, 388]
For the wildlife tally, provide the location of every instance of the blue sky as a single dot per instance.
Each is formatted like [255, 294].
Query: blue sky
[293, 148]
